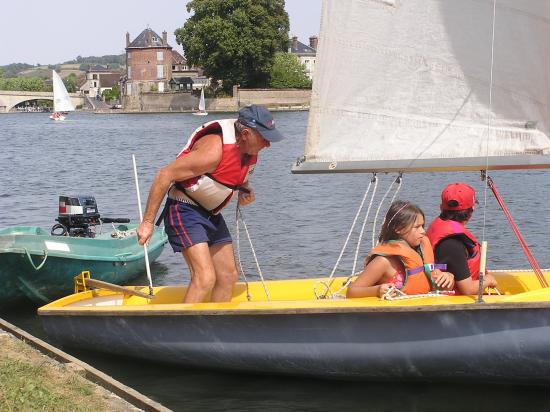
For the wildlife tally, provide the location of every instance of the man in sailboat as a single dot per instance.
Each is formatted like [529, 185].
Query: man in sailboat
[453, 244]
[215, 163]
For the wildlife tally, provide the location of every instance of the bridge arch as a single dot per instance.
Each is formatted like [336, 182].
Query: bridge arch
[14, 102]
[9, 99]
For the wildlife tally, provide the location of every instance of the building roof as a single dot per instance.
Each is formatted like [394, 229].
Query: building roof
[178, 58]
[181, 80]
[297, 47]
[141, 41]
[109, 79]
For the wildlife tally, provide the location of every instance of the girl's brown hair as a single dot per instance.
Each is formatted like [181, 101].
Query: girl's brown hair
[400, 216]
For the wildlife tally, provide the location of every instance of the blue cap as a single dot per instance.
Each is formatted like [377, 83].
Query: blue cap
[260, 119]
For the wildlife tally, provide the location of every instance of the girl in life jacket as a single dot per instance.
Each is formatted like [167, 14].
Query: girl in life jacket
[403, 258]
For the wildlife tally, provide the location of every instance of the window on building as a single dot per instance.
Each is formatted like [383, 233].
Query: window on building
[129, 55]
[94, 77]
[160, 71]
[160, 56]
[173, 67]
[95, 84]
[129, 72]
[128, 88]
[161, 87]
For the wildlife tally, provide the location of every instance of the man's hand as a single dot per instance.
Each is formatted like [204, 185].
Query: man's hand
[246, 198]
[144, 232]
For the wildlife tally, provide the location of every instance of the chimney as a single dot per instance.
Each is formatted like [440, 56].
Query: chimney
[313, 40]
[127, 39]
[148, 35]
[165, 38]
[294, 42]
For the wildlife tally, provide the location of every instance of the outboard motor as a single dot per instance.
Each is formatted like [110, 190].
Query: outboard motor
[77, 214]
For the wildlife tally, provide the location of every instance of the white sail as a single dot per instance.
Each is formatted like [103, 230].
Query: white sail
[61, 99]
[201, 102]
[405, 85]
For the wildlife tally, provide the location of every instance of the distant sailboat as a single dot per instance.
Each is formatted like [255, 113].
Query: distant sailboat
[202, 106]
[61, 100]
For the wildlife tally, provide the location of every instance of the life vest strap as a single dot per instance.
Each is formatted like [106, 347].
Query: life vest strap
[430, 266]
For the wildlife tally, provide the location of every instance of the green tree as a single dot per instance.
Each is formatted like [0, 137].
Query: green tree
[111, 94]
[235, 40]
[287, 71]
[70, 83]
[31, 84]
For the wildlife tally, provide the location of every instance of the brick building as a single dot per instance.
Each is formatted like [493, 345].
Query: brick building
[148, 64]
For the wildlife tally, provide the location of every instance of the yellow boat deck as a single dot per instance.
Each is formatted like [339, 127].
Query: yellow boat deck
[516, 287]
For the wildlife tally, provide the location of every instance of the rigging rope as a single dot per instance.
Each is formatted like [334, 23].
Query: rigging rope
[532, 261]
[239, 216]
[329, 282]
[489, 117]
[398, 180]
[375, 181]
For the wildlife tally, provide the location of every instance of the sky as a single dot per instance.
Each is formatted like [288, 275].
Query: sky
[55, 31]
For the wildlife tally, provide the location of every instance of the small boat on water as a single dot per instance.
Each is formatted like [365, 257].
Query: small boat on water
[61, 100]
[420, 85]
[505, 338]
[38, 265]
[202, 105]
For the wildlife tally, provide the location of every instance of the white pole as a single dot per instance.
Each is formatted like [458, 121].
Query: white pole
[141, 219]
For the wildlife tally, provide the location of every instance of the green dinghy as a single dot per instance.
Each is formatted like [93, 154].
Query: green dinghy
[39, 266]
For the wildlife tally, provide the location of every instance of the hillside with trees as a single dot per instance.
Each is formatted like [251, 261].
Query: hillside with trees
[44, 71]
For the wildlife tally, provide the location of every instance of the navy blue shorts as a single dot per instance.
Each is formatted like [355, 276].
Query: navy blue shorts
[186, 225]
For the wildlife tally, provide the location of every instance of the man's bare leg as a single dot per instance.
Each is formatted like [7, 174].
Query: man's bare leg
[226, 272]
[203, 273]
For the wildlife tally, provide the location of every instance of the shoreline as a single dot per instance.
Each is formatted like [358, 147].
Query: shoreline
[70, 366]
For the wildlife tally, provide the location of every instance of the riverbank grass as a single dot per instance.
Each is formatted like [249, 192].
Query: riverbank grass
[32, 381]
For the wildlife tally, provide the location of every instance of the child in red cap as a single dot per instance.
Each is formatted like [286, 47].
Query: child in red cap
[453, 244]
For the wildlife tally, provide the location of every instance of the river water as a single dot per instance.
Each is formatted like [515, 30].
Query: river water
[298, 225]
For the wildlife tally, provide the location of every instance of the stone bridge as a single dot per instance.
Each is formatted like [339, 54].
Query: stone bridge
[9, 99]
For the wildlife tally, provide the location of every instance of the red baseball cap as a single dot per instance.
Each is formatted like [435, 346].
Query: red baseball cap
[458, 196]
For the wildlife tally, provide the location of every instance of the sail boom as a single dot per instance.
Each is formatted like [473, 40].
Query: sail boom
[424, 165]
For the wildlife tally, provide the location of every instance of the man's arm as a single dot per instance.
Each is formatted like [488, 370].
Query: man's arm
[203, 158]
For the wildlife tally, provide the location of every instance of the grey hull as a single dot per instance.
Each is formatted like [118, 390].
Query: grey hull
[489, 344]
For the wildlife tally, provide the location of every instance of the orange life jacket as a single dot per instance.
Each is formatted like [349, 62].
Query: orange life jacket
[441, 229]
[418, 265]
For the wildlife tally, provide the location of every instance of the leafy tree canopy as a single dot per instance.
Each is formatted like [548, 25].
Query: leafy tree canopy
[31, 84]
[70, 83]
[111, 94]
[235, 40]
[287, 71]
